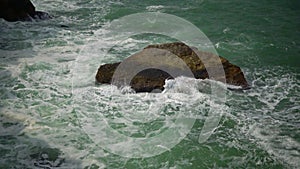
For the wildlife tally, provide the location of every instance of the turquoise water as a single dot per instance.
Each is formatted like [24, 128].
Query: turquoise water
[47, 87]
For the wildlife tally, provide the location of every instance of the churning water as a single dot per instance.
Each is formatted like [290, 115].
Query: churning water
[49, 98]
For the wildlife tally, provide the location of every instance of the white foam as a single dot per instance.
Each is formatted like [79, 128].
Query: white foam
[155, 8]
[264, 111]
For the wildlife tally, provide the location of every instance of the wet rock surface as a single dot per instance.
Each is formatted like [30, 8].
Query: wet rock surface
[20, 10]
[199, 63]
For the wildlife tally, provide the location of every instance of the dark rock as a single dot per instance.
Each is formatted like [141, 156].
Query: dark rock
[150, 80]
[64, 26]
[20, 10]
[153, 78]
[41, 15]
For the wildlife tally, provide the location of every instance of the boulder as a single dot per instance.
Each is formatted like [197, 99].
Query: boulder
[20, 10]
[153, 77]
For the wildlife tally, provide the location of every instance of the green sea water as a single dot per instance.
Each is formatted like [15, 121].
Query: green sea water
[47, 87]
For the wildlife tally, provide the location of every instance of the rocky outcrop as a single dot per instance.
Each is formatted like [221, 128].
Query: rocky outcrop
[20, 10]
[153, 77]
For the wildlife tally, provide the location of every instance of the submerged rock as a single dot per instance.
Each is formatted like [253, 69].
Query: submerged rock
[20, 10]
[157, 63]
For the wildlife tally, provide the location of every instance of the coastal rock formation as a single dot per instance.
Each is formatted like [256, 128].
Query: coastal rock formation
[152, 77]
[20, 10]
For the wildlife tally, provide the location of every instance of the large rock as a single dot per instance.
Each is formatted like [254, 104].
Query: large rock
[20, 10]
[153, 78]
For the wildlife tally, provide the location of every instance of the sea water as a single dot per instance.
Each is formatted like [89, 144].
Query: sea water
[49, 99]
